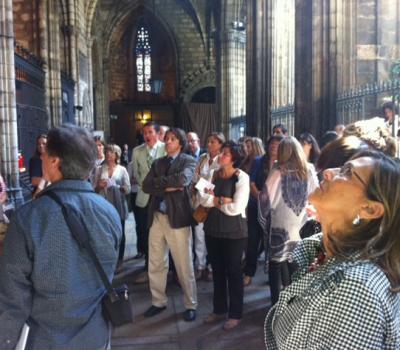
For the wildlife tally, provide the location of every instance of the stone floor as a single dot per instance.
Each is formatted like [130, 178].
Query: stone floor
[168, 330]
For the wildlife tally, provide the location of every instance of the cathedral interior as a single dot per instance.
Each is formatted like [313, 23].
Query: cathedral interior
[236, 66]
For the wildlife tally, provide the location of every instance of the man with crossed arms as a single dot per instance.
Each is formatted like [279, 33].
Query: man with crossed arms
[170, 220]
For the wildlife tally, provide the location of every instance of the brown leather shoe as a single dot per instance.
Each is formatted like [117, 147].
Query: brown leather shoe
[231, 323]
[212, 318]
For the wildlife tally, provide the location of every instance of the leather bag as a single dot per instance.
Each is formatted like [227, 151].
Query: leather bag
[200, 214]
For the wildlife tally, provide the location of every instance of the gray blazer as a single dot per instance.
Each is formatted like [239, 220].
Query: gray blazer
[163, 175]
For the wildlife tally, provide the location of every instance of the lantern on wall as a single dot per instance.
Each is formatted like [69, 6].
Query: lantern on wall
[143, 116]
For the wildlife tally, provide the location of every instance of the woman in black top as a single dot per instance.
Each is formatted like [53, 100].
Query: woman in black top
[226, 235]
[35, 164]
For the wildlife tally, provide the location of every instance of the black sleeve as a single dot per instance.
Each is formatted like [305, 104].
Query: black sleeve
[35, 167]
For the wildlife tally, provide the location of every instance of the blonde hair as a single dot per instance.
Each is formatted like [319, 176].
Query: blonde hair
[291, 158]
[112, 147]
[258, 147]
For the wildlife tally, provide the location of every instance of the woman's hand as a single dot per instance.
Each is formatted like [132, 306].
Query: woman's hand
[220, 201]
[209, 191]
[102, 184]
[227, 200]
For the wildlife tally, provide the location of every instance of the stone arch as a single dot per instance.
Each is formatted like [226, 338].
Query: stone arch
[195, 81]
[123, 18]
[90, 11]
[122, 60]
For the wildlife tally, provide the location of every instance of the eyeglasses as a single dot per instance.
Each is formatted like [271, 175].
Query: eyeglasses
[347, 170]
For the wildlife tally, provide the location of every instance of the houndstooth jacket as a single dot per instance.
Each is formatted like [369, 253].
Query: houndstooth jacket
[343, 304]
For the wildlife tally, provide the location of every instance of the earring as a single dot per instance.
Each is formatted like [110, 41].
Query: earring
[357, 220]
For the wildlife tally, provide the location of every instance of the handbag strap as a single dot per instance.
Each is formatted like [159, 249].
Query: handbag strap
[79, 232]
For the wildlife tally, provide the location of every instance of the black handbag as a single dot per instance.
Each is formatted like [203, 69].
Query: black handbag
[311, 227]
[116, 305]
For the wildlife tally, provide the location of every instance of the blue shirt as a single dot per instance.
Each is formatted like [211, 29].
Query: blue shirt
[47, 281]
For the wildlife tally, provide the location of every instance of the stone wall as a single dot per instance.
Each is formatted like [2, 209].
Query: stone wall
[26, 27]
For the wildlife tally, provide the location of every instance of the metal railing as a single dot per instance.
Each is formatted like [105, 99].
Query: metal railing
[284, 115]
[363, 102]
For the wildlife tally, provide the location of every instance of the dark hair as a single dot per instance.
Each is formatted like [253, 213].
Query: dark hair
[273, 138]
[180, 135]
[98, 138]
[41, 136]
[236, 152]
[280, 126]
[153, 124]
[378, 240]
[315, 150]
[263, 173]
[328, 137]
[339, 151]
[390, 105]
[76, 149]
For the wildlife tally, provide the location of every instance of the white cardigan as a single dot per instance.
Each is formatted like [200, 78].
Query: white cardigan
[240, 198]
[121, 179]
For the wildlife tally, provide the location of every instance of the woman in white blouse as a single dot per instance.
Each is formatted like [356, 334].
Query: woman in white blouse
[285, 198]
[112, 182]
[226, 235]
[208, 163]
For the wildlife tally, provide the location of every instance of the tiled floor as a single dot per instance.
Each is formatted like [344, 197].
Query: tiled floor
[169, 331]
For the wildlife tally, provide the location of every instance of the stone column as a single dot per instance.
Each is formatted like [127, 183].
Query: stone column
[231, 58]
[8, 110]
[258, 116]
[90, 82]
[102, 97]
[315, 62]
[347, 51]
[50, 52]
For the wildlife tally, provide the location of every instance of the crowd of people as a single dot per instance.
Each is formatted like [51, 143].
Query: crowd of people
[325, 218]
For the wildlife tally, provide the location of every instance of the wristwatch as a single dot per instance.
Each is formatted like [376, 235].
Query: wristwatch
[220, 201]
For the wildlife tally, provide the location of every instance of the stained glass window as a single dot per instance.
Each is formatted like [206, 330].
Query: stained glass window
[143, 60]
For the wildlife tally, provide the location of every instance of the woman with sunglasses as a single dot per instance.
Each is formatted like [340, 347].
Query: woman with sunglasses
[345, 292]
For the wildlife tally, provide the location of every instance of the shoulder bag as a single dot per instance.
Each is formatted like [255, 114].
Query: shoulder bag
[200, 214]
